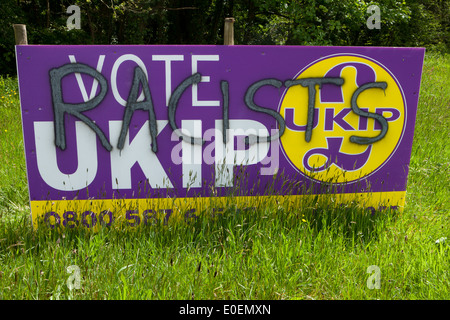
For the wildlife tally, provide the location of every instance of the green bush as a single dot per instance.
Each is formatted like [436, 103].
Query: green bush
[258, 22]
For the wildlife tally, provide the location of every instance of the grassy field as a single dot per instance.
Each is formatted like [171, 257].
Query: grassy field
[270, 253]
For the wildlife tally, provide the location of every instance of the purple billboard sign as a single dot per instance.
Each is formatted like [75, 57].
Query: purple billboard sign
[153, 122]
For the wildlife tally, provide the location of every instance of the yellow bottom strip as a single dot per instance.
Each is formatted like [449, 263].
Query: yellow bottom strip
[95, 213]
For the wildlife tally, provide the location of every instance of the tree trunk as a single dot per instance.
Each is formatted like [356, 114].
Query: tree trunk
[48, 13]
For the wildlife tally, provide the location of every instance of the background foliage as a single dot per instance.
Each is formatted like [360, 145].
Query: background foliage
[258, 22]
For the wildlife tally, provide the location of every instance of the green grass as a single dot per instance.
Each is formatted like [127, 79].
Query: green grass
[318, 252]
[13, 185]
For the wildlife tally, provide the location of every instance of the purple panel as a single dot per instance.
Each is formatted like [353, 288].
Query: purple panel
[239, 66]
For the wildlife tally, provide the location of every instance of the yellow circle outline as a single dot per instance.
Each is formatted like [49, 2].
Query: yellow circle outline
[339, 176]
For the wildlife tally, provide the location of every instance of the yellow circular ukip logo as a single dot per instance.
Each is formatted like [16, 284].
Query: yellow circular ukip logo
[355, 122]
